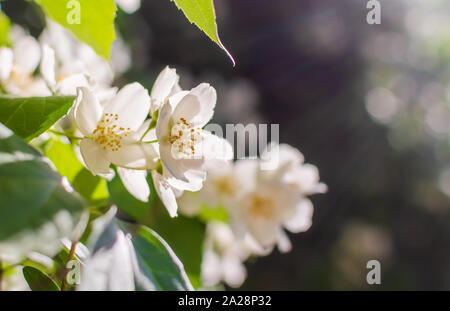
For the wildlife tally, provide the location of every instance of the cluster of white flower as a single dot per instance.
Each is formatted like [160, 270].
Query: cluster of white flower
[161, 132]
[129, 128]
[260, 204]
[171, 143]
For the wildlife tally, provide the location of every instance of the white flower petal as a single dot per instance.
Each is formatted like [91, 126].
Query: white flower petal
[48, 63]
[163, 123]
[68, 86]
[105, 94]
[247, 170]
[234, 272]
[215, 147]
[6, 63]
[211, 269]
[135, 181]
[165, 193]
[131, 104]
[194, 181]
[289, 154]
[306, 179]
[87, 111]
[164, 84]
[301, 220]
[93, 157]
[283, 242]
[197, 108]
[27, 54]
[184, 174]
[134, 155]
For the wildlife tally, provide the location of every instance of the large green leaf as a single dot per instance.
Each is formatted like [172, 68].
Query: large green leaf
[31, 116]
[96, 24]
[37, 207]
[128, 204]
[201, 13]
[186, 237]
[92, 188]
[157, 262]
[63, 157]
[130, 257]
[38, 280]
[4, 29]
[188, 247]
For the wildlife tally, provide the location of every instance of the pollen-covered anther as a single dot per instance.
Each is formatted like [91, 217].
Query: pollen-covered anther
[184, 139]
[108, 134]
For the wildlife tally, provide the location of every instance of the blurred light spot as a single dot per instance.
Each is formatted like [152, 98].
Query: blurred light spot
[432, 93]
[438, 120]
[382, 104]
[444, 181]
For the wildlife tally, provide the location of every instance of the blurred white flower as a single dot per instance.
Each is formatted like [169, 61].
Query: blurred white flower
[65, 84]
[17, 65]
[224, 184]
[73, 57]
[224, 256]
[112, 135]
[275, 200]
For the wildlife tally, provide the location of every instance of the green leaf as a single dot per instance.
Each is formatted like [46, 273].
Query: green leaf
[64, 158]
[187, 247]
[38, 280]
[30, 117]
[4, 30]
[157, 262]
[128, 204]
[92, 188]
[130, 257]
[208, 213]
[96, 21]
[201, 13]
[186, 237]
[36, 208]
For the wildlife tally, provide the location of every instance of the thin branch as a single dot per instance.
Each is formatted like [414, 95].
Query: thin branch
[66, 271]
[64, 134]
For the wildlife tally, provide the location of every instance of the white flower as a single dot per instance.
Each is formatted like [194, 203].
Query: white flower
[226, 183]
[275, 200]
[113, 132]
[224, 256]
[73, 57]
[166, 84]
[184, 147]
[66, 83]
[166, 192]
[17, 65]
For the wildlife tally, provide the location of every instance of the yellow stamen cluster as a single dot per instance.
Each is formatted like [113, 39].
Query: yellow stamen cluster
[226, 185]
[108, 134]
[183, 138]
[19, 77]
[262, 207]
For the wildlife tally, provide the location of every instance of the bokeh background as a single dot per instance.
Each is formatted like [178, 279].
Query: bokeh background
[368, 104]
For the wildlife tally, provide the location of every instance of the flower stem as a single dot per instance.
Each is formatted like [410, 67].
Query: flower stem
[150, 142]
[66, 271]
[64, 134]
